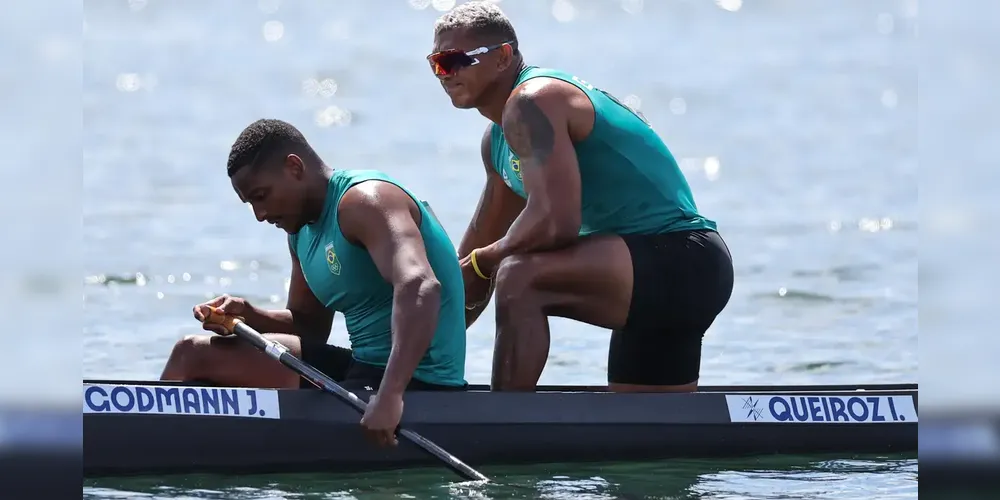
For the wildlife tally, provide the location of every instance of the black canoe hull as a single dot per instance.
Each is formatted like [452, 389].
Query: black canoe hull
[315, 432]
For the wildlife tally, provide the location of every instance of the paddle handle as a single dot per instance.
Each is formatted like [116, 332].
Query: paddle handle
[226, 321]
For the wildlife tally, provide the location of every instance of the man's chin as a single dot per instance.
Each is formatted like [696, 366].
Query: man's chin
[463, 102]
[294, 229]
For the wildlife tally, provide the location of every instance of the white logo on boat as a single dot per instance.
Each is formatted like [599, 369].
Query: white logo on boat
[750, 406]
[181, 400]
[814, 409]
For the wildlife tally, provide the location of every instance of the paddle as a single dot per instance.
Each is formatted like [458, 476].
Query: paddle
[279, 352]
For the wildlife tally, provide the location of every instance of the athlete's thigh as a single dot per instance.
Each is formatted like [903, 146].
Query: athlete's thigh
[332, 360]
[655, 358]
[682, 281]
[230, 360]
[590, 281]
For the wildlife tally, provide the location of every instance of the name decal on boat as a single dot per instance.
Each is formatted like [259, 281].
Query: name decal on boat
[181, 400]
[818, 409]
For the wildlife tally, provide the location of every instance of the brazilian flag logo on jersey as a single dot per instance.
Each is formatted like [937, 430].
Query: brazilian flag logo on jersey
[331, 259]
[515, 165]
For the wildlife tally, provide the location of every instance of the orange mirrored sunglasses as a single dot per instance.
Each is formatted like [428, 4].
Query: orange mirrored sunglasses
[447, 62]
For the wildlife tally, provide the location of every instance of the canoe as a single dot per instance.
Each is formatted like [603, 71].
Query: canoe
[142, 427]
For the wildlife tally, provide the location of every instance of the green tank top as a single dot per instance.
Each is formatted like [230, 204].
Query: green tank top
[631, 183]
[343, 276]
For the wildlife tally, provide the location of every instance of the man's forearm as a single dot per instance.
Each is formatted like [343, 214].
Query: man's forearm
[534, 230]
[474, 238]
[414, 319]
[282, 321]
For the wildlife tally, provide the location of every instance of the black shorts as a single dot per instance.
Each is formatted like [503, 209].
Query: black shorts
[682, 281]
[353, 375]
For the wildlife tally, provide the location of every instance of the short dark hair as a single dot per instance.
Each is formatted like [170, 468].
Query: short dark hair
[481, 18]
[262, 140]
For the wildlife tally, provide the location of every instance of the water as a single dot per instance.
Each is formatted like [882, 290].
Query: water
[794, 121]
[777, 478]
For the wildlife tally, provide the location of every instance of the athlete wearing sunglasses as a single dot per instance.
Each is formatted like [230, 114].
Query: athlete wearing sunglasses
[447, 62]
[584, 215]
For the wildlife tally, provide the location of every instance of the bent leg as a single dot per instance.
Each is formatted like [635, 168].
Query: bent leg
[660, 293]
[683, 281]
[231, 361]
[653, 361]
[590, 281]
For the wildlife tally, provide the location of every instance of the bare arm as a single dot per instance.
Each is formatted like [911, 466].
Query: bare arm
[304, 315]
[498, 207]
[384, 219]
[536, 126]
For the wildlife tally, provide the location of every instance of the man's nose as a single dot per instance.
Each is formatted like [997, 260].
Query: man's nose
[259, 213]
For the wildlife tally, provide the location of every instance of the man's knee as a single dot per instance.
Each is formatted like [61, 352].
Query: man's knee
[190, 354]
[515, 277]
[184, 356]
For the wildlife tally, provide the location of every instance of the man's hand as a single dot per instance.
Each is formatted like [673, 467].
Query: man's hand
[382, 418]
[477, 289]
[224, 304]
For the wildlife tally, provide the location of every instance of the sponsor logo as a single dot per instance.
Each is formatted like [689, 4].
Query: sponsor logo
[820, 409]
[183, 400]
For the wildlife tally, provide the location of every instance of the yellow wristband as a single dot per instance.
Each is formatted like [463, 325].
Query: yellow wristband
[475, 266]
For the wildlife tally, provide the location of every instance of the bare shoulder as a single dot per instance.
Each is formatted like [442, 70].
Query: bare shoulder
[559, 102]
[548, 94]
[371, 204]
[374, 193]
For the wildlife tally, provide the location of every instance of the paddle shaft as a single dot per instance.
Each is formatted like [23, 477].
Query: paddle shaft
[318, 378]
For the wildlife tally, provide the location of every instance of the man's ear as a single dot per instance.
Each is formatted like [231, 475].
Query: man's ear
[506, 57]
[294, 166]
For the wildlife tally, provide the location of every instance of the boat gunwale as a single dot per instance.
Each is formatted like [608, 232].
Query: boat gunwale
[594, 389]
